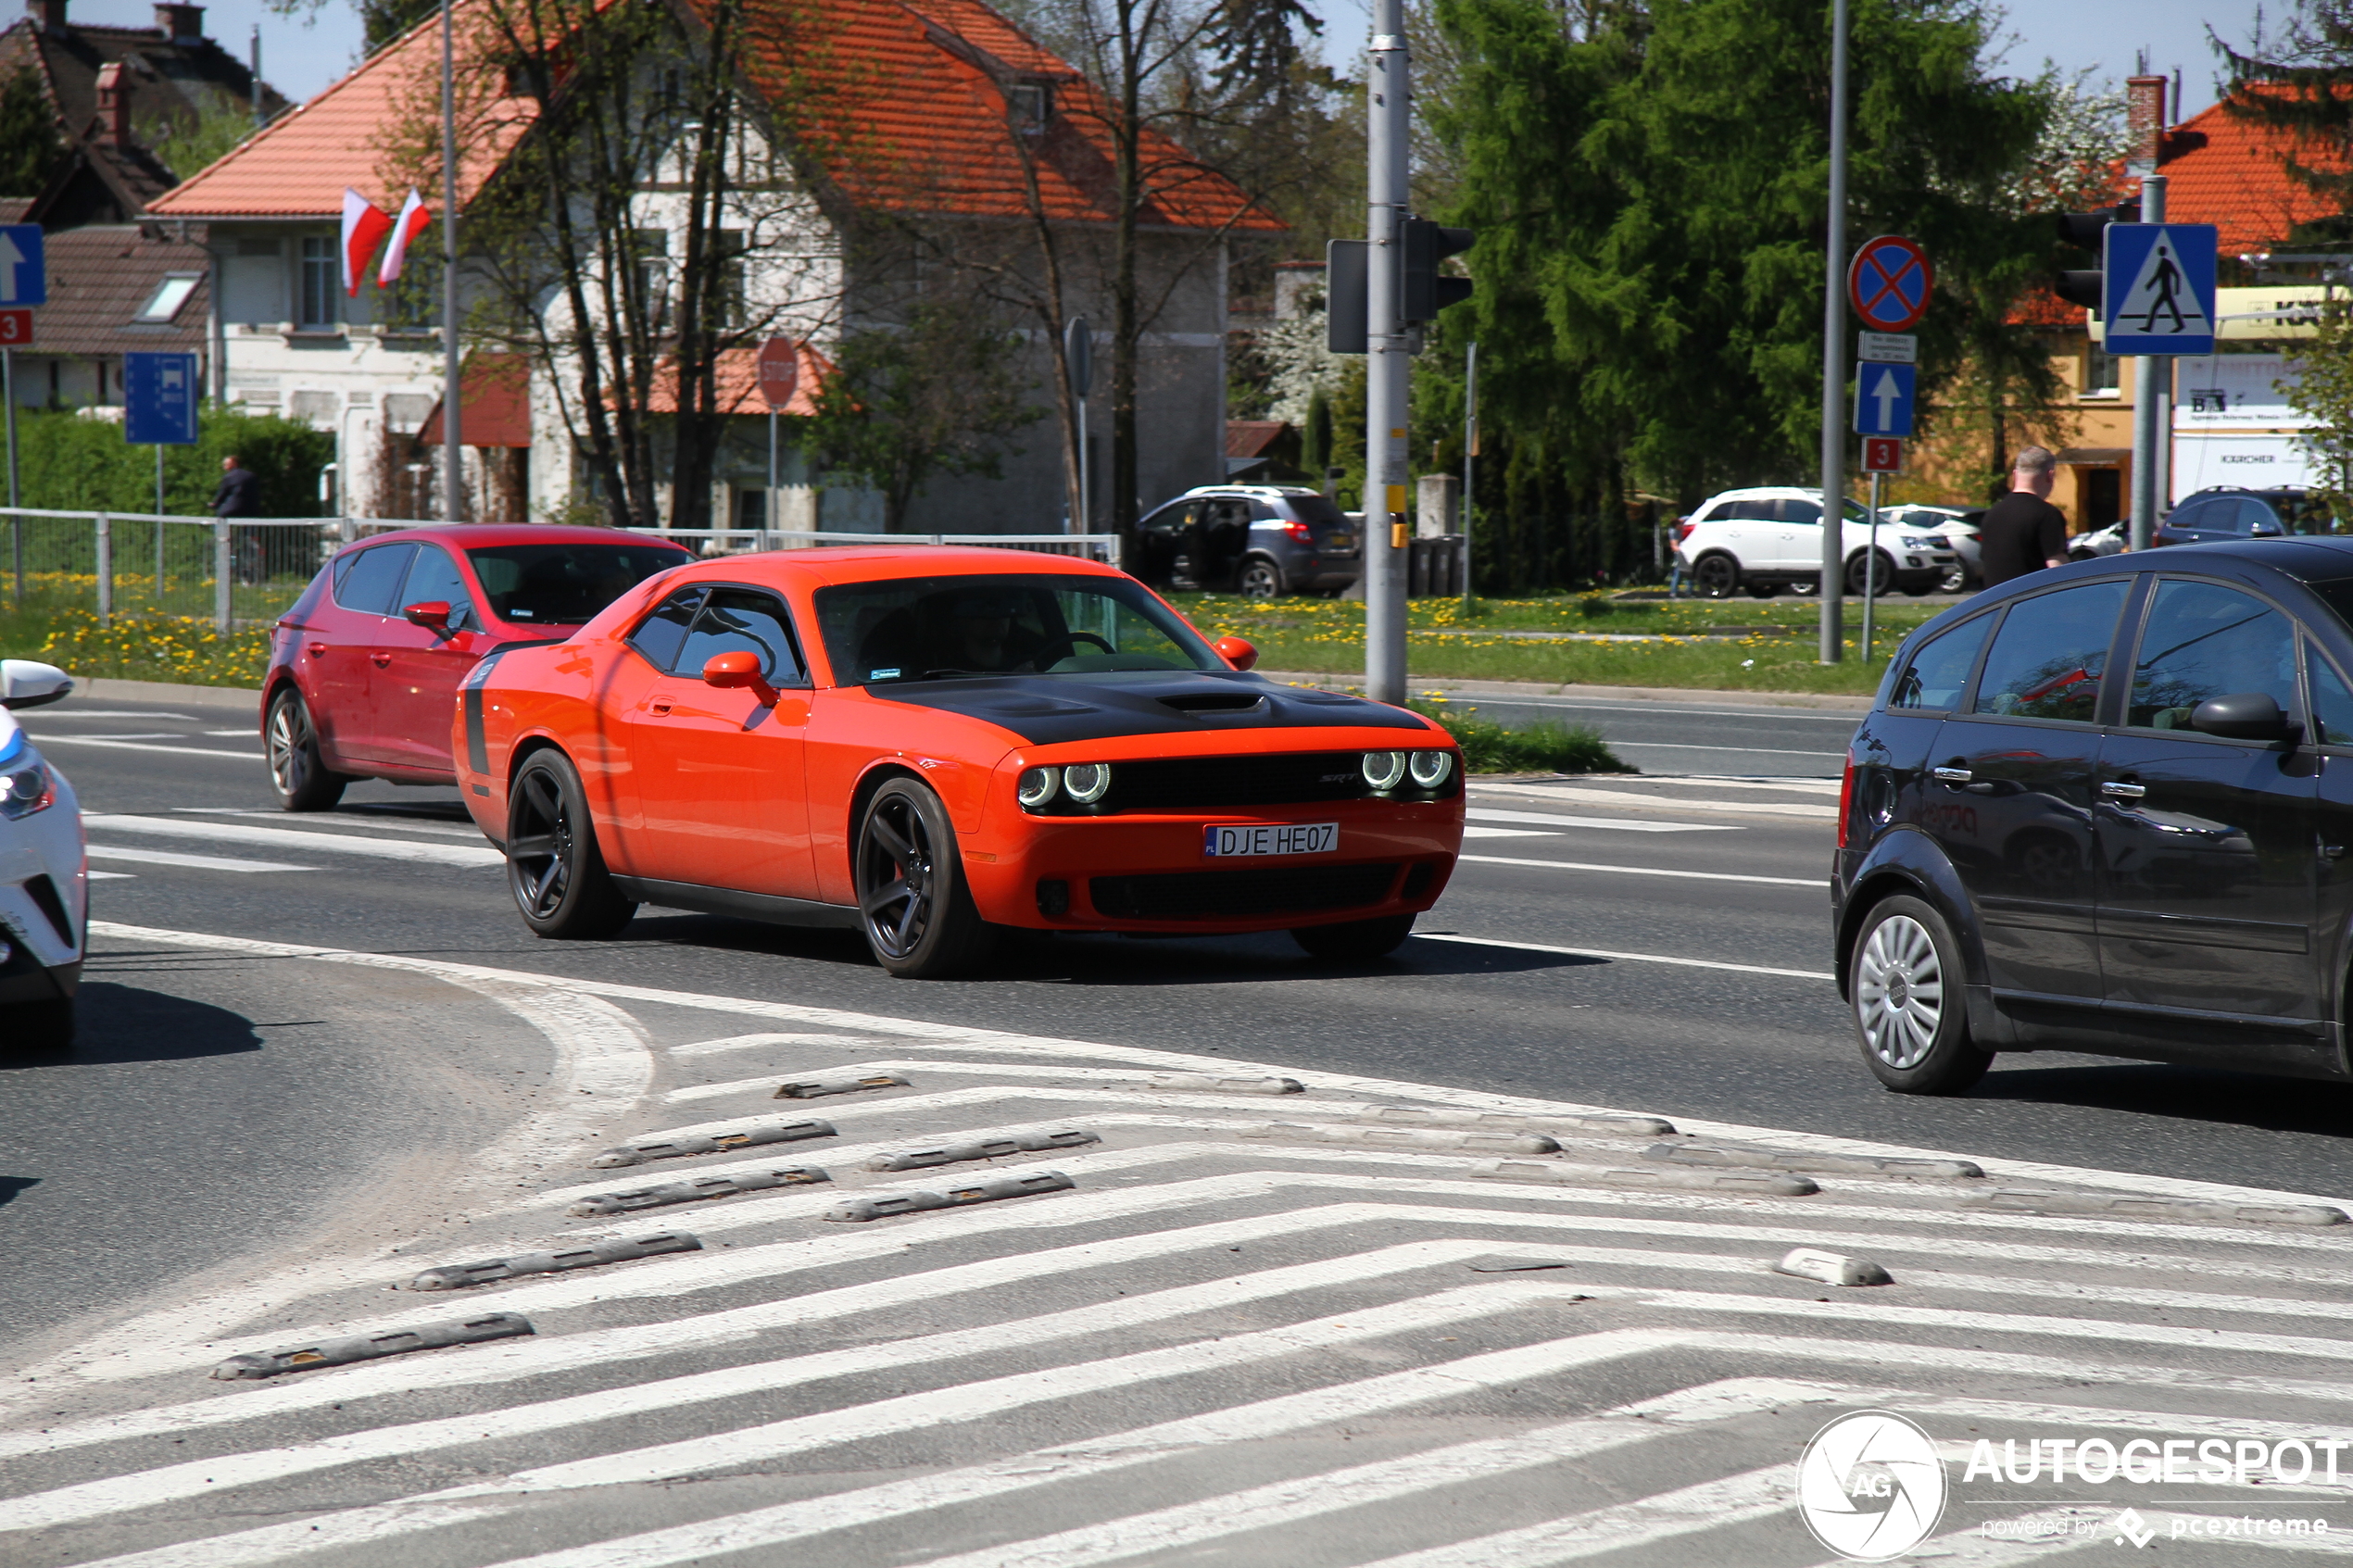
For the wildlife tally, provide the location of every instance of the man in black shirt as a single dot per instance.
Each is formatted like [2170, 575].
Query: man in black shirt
[2023, 531]
[240, 491]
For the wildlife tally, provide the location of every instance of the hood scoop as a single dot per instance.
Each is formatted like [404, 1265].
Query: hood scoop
[1210, 705]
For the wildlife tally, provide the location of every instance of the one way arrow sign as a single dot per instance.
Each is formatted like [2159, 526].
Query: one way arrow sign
[1883, 399]
[23, 277]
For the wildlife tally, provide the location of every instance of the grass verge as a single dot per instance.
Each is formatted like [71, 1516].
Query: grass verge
[1548, 747]
[140, 645]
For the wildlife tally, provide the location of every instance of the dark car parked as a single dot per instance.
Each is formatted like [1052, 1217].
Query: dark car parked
[1259, 540]
[2107, 808]
[2227, 512]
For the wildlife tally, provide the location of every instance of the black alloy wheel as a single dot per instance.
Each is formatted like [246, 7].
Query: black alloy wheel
[1260, 579]
[301, 780]
[912, 902]
[1858, 568]
[1356, 938]
[1905, 990]
[1715, 575]
[554, 868]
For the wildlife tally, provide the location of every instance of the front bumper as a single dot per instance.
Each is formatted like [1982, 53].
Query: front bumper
[44, 900]
[1148, 872]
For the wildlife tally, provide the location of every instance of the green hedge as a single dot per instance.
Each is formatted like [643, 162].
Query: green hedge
[69, 463]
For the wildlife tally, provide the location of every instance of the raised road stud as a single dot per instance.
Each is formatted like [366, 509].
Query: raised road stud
[1466, 1139]
[816, 1088]
[979, 1148]
[1753, 1184]
[696, 1191]
[368, 1346]
[857, 1210]
[1165, 1081]
[457, 1276]
[1831, 1268]
[1605, 1123]
[716, 1143]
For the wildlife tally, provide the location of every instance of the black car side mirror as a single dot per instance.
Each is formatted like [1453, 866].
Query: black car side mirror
[2244, 716]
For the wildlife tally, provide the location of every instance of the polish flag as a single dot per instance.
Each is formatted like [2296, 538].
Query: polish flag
[363, 224]
[406, 227]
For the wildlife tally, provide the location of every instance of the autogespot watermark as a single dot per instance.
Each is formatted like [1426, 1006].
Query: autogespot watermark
[1871, 1485]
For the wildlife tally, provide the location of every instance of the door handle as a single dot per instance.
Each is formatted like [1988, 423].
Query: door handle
[658, 708]
[381, 660]
[2123, 791]
[318, 650]
[1951, 775]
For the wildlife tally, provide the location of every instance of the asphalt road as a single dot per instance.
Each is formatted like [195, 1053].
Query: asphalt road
[252, 1141]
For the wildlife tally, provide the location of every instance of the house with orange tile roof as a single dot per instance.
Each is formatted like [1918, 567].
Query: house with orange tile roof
[891, 115]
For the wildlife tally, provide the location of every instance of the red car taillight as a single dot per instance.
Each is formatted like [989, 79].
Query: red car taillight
[1845, 800]
[1300, 531]
[1683, 530]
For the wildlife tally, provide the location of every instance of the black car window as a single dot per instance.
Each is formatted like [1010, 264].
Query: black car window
[1745, 508]
[435, 577]
[2332, 700]
[2188, 515]
[1316, 511]
[565, 585]
[1939, 670]
[373, 581]
[2204, 640]
[1168, 520]
[1795, 510]
[660, 635]
[941, 628]
[2047, 659]
[741, 620]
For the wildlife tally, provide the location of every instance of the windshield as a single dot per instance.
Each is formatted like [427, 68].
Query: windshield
[939, 628]
[565, 585]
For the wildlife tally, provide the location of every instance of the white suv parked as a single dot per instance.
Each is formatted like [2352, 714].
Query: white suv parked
[1770, 537]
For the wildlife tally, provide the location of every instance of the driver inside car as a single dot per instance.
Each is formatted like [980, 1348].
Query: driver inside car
[984, 633]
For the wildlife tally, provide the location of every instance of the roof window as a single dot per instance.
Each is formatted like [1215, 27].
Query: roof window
[170, 295]
[1031, 102]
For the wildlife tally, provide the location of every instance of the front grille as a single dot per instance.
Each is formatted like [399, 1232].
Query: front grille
[1208, 783]
[1220, 895]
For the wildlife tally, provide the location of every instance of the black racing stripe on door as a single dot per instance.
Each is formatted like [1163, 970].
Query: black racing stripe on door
[477, 746]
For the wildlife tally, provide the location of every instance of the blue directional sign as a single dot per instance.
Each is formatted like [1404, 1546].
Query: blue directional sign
[160, 399]
[24, 275]
[1883, 399]
[2159, 293]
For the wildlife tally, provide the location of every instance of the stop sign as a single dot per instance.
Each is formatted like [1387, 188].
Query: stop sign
[779, 372]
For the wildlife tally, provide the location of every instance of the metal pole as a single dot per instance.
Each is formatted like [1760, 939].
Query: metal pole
[159, 528]
[1085, 522]
[2149, 405]
[1834, 640]
[453, 445]
[1871, 572]
[1389, 363]
[105, 543]
[158, 478]
[221, 575]
[1471, 460]
[773, 508]
[260, 115]
[16, 524]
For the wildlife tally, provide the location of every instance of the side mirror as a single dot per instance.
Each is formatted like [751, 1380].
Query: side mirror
[2244, 716]
[738, 670]
[432, 614]
[24, 684]
[1235, 651]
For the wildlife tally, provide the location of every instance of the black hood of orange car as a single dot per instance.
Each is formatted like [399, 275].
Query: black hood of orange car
[1052, 709]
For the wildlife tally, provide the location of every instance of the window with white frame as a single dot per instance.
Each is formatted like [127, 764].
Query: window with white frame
[170, 295]
[321, 293]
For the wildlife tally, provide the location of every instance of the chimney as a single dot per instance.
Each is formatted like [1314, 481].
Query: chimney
[114, 106]
[47, 15]
[2144, 121]
[180, 24]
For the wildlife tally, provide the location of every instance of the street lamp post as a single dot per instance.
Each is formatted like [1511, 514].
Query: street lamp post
[453, 465]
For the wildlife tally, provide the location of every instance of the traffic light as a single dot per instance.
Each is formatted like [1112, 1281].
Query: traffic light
[1428, 291]
[2086, 230]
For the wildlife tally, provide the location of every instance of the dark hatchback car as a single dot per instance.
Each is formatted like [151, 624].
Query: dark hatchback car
[2107, 808]
[2225, 512]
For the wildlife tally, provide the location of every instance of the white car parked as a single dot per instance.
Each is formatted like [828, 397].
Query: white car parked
[1959, 525]
[1768, 538]
[45, 898]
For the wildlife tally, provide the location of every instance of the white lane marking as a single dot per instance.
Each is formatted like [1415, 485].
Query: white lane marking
[1576, 794]
[1622, 958]
[1783, 783]
[1815, 882]
[287, 838]
[1710, 1505]
[994, 1041]
[201, 862]
[750, 1042]
[1848, 716]
[1549, 819]
[152, 734]
[346, 818]
[96, 875]
[1749, 750]
[238, 733]
[113, 713]
[46, 739]
[1474, 831]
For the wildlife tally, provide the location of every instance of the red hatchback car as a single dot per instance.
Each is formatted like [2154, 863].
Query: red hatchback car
[365, 667]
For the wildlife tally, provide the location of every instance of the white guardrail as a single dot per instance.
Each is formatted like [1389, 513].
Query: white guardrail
[240, 558]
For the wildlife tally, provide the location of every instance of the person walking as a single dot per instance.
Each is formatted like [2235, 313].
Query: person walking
[239, 494]
[2023, 531]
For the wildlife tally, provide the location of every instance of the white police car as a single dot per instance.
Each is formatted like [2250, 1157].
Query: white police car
[44, 884]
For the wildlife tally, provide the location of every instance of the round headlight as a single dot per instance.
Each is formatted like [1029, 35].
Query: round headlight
[1037, 786]
[1087, 782]
[1383, 769]
[1431, 769]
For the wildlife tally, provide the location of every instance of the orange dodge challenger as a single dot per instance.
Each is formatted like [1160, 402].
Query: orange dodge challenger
[933, 744]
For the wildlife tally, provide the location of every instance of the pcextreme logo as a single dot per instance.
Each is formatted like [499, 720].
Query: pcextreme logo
[1870, 1486]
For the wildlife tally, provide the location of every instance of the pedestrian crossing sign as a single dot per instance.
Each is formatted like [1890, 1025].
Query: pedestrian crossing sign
[2158, 293]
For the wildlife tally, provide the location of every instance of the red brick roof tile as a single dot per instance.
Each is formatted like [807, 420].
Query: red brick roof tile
[2231, 172]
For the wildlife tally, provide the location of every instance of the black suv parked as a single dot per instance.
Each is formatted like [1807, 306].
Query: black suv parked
[2108, 808]
[2228, 512]
[1258, 540]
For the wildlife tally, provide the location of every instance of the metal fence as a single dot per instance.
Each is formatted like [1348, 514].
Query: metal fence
[253, 568]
